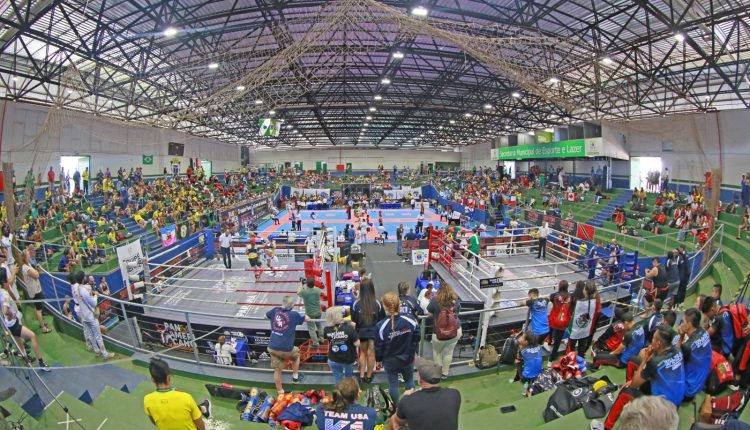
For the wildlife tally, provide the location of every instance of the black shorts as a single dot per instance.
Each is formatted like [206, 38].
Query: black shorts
[16, 329]
[38, 305]
[254, 262]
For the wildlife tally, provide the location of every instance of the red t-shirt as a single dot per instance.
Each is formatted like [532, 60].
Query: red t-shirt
[51, 176]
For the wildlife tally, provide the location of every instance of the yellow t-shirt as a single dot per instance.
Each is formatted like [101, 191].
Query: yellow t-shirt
[171, 410]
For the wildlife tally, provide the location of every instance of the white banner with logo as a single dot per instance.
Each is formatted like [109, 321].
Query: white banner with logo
[404, 192]
[130, 259]
[419, 256]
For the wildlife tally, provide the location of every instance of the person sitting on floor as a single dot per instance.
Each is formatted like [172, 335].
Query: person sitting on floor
[609, 347]
[528, 361]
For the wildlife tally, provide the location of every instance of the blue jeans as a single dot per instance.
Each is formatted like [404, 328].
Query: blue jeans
[340, 371]
[398, 246]
[407, 372]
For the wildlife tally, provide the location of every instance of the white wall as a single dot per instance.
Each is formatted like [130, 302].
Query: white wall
[361, 159]
[477, 156]
[32, 137]
[700, 142]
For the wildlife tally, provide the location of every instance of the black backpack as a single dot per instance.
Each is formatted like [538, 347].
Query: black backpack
[509, 352]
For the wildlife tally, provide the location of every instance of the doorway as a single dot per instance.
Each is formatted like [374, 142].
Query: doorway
[72, 164]
[644, 173]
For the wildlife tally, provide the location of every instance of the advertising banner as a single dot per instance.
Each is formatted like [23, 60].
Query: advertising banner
[579, 230]
[322, 193]
[419, 256]
[563, 149]
[168, 235]
[130, 253]
[247, 212]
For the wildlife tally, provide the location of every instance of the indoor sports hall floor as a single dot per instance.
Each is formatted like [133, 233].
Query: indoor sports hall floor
[392, 218]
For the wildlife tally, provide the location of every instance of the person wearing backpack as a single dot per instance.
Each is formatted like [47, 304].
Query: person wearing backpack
[396, 344]
[719, 326]
[444, 309]
[559, 316]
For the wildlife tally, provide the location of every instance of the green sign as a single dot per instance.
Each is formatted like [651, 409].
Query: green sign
[148, 159]
[563, 149]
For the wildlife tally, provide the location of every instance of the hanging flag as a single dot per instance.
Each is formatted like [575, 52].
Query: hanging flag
[148, 159]
[268, 127]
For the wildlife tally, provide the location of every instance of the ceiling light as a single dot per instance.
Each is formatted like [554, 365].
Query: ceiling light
[369, 118]
[516, 95]
[15, 78]
[258, 102]
[373, 109]
[421, 135]
[467, 115]
[531, 133]
[240, 88]
[507, 126]
[71, 92]
[419, 11]
[398, 55]
[295, 131]
[366, 124]
[453, 121]
[679, 37]
[606, 60]
[272, 112]
[170, 32]
[213, 66]
[378, 97]
[488, 106]
[440, 128]
[431, 132]
[553, 80]
[549, 130]
[385, 81]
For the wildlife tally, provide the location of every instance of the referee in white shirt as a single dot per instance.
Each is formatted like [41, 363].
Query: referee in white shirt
[543, 233]
[224, 244]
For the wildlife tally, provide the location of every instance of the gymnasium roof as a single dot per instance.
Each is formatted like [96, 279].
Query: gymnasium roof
[368, 73]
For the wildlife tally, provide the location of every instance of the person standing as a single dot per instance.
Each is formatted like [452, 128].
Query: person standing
[396, 345]
[343, 340]
[474, 247]
[444, 309]
[86, 181]
[225, 242]
[30, 277]
[76, 182]
[366, 312]
[661, 283]
[559, 316]
[51, 179]
[431, 407]
[582, 319]
[409, 305]
[683, 266]
[10, 317]
[310, 296]
[224, 351]
[284, 321]
[543, 232]
[673, 275]
[420, 223]
[87, 312]
[168, 408]
[399, 239]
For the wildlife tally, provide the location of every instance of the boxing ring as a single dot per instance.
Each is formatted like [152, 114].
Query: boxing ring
[229, 294]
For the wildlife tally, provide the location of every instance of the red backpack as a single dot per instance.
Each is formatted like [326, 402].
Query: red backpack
[446, 324]
[721, 374]
[561, 313]
[739, 318]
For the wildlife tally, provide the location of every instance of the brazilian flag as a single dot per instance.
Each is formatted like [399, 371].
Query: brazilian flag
[148, 159]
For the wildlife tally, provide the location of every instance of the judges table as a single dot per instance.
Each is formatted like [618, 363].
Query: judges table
[300, 237]
[316, 206]
[390, 206]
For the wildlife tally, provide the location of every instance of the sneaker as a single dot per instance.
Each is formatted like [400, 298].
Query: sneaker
[108, 355]
[443, 377]
[597, 425]
[298, 379]
[206, 408]
[400, 378]
[43, 366]
[315, 345]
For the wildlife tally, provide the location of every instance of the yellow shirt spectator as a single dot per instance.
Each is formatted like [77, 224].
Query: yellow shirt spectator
[170, 409]
[111, 236]
[90, 242]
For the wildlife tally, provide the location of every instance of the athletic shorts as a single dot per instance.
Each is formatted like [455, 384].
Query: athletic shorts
[254, 262]
[38, 305]
[279, 358]
[16, 329]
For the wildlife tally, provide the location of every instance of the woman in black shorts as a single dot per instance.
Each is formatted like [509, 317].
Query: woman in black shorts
[254, 259]
[366, 312]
